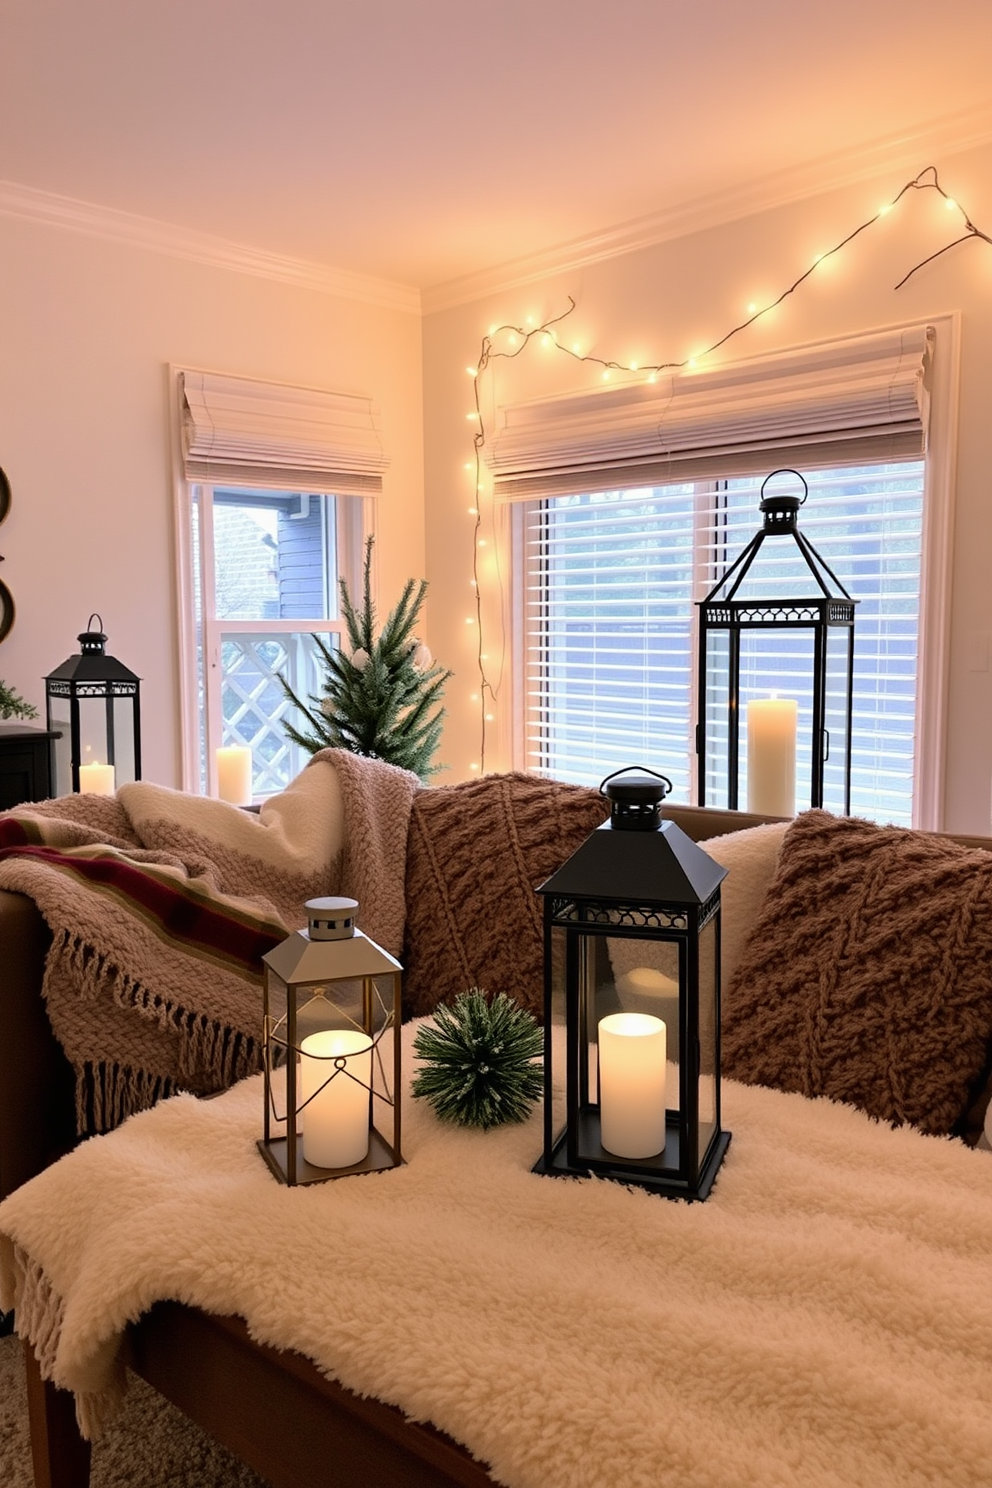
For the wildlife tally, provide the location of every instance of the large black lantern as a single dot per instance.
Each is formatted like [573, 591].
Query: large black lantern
[331, 1007]
[93, 700]
[632, 1001]
[776, 674]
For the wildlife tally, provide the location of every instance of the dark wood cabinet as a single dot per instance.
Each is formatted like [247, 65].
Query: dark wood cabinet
[26, 766]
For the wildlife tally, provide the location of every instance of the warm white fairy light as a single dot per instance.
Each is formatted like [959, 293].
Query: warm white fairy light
[519, 337]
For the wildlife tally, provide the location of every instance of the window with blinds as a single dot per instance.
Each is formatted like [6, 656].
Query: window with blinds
[608, 589]
[627, 504]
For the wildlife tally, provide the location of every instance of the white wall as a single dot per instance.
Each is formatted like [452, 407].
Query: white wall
[665, 302]
[87, 330]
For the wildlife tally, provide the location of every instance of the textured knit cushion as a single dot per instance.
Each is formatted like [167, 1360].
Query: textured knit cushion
[475, 854]
[868, 976]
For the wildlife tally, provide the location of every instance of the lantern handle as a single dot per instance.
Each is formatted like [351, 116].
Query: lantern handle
[94, 616]
[786, 470]
[644, 769]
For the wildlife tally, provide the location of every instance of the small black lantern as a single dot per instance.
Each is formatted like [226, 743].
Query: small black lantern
[776, 663]
[331, 1005]
[93, 700]
[632, 1001]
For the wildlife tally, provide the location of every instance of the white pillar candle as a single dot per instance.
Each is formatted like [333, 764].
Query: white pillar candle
[97, 780]
[234, 774]
[771, 756]
[632, 1054]
[336, 1120]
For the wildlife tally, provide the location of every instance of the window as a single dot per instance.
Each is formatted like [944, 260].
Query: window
[266, 567]
[625, 506]
[274, 501]
[610, 579]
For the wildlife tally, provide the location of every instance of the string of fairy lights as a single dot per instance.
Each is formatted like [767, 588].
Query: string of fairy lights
[508, 341]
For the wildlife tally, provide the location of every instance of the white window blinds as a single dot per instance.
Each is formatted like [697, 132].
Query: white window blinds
[860, 399]
[238, 430]
[609, 623]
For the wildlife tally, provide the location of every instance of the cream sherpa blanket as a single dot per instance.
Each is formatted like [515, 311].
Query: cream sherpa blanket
[824, 1320]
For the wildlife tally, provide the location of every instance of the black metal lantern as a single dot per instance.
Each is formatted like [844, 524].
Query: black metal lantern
[632, 1001]
[331, 1004]
[776, 668]
[93, 700]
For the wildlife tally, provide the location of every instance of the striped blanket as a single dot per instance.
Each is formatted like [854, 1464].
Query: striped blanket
[161, 906]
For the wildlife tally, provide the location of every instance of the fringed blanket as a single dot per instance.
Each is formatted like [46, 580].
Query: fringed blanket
[824, 1320]
[161, 906]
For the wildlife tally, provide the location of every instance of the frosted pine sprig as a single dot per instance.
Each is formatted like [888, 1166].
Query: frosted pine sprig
[479, 1061]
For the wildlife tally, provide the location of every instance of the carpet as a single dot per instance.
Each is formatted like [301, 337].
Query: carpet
[151, 1445]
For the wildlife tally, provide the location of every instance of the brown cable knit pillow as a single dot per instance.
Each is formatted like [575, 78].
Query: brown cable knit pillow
[868, 974]
[475, 854]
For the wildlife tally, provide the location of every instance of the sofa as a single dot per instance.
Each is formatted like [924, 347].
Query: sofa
[819, 892]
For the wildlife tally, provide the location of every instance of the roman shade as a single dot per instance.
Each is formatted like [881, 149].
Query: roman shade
[862, 399]
[236, 430]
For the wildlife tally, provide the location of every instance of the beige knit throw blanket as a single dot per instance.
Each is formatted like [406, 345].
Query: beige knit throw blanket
[824, 1320]
[161, 905]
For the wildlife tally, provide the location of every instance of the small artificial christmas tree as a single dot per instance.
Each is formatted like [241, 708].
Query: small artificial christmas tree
[382, 697]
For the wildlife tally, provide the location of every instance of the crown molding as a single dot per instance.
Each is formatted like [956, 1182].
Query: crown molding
[952, 135]
[32, 205]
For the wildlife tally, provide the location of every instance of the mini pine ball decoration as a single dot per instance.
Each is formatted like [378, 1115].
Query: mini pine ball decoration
[478, 1061]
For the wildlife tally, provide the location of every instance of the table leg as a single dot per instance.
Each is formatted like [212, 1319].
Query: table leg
[61, 1457]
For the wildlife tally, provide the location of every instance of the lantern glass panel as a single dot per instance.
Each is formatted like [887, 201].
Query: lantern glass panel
[367, 1004]
[106, 734]
[58, 718]
[715, 702]
[836, 720]
[613, 975]
[778, 664]
[708, 1035]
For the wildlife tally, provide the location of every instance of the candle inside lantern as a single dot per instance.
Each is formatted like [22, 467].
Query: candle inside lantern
[771, 756]
[336, 1120]
[632, 1054]
[234, 774]
[97, 780]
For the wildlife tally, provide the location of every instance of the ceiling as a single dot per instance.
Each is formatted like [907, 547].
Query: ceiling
[419, 141]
